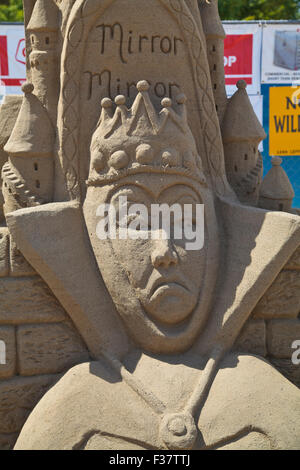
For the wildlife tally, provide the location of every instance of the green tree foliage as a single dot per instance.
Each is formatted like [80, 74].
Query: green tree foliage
[259, 9]
[11, 10]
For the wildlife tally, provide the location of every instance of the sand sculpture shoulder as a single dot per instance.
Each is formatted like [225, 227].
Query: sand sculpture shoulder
[225, 422]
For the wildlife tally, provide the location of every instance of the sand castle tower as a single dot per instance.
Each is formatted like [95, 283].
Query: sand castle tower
[276, 193]
[28, 174]
[242, 134]
[65, 7]
[43, 60]
[215, 35]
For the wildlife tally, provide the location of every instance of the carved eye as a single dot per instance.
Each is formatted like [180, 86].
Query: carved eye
[171, 157]
[118, 160]
[144, 154]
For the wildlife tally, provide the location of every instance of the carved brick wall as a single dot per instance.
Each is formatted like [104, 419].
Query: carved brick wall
[41, 341]
[275, 322]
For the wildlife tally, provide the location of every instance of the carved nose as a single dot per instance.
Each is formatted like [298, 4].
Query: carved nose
[163, 255]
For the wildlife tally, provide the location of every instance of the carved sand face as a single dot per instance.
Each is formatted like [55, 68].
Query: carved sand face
[161, 290]
[165, 275]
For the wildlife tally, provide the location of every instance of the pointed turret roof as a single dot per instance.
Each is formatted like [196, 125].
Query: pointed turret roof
[44, 16]
[276, 184]
[212, 24]
[240, 123]
[33, 134]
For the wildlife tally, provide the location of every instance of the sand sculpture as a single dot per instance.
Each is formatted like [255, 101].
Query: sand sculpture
[161, 347]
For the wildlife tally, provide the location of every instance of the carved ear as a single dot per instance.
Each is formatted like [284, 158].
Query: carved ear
[53, 240]
[258, 244]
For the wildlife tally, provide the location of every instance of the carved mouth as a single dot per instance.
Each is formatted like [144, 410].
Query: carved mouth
[171, 302]
[162, 285]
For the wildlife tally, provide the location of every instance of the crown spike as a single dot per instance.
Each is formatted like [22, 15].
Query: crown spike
[109, 121]
[120, 100]
[168, 113]
[144, 99]
[122, 110]
[142, 86]
[107, 111]
[106, 103]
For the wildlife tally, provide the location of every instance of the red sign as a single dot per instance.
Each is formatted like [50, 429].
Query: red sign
[3, 56]
[238, 58]
[12, 58]
[21, 52]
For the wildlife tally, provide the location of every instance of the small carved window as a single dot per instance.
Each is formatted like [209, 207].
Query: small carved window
[281, 207]
[214, 48]
[246, 156]
[36, 167]
[235, 168]
[215, 67]
[32, 39]
[215, 86]
[37, 184]
[47, 40]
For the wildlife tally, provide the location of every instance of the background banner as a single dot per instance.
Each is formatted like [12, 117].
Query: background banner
[281, 53]
[284, 122]
[12, 59]
[242, 56]
[271, 110]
